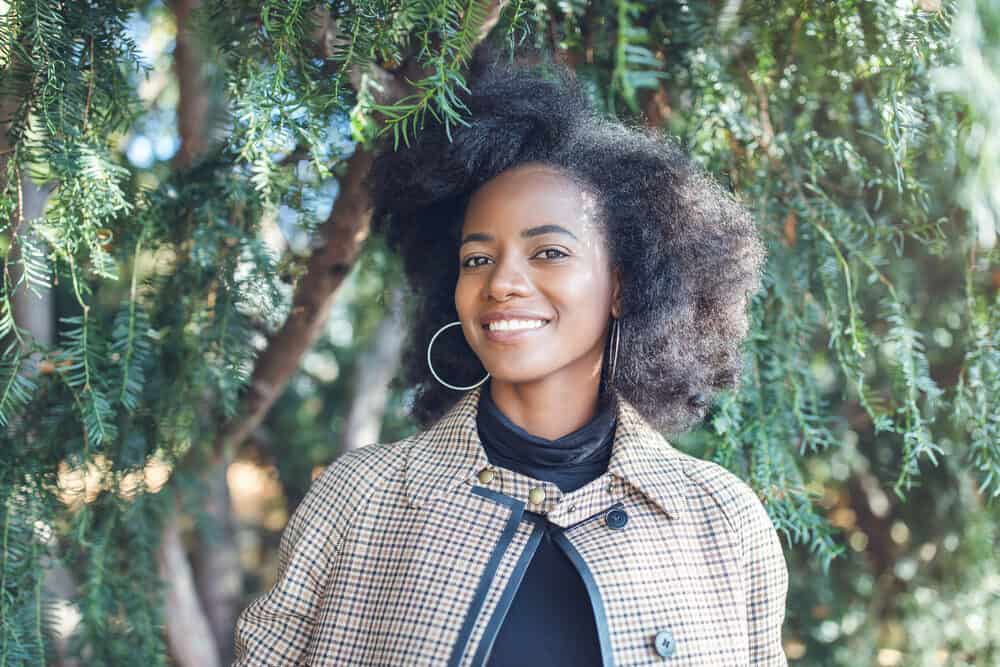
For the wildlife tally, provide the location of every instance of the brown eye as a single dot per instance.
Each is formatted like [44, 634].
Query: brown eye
[466, 264]
[556, 250]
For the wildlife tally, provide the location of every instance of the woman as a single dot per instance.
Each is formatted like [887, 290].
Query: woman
[599, 281]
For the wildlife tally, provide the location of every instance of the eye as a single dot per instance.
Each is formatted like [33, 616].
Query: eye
[466, 263]
[557, 250]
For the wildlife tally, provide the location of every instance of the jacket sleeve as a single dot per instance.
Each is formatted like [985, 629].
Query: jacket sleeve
[767, 583]
[276, 628]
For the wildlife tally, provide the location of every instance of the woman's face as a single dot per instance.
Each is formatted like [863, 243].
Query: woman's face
[531, 250]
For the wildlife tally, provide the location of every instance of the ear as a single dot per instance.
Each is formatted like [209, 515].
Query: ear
[616, 293]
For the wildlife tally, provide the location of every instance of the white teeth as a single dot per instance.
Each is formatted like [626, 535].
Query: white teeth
[510, 325]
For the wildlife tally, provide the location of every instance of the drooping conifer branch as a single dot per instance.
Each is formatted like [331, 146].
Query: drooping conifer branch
[342, 236]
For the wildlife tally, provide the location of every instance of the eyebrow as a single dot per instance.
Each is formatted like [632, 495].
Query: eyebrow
[525, 233]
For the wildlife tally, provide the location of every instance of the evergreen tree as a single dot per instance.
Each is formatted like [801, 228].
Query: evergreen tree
[188, 290]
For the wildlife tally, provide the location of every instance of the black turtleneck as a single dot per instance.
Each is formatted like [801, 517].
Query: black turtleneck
[550, 620]
[569, 462]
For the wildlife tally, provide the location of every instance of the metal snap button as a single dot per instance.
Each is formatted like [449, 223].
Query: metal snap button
[536, 495]
[664, 643]
[616, 518]
[486, 475]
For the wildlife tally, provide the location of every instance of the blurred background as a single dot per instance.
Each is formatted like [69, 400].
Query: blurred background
[190, 293]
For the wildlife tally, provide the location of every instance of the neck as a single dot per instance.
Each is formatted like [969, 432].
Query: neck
[546, 409]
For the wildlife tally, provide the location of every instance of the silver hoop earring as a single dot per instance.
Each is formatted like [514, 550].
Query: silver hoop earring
[433, 372]
[615, 341]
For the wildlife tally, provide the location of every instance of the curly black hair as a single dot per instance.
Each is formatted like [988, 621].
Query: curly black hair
[689, 254]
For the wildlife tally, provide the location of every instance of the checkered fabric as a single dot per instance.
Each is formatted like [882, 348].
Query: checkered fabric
[402, 553]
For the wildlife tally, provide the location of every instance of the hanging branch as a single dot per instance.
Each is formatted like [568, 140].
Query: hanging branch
[343, 234]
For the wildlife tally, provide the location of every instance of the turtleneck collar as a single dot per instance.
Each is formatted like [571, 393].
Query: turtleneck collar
[569, 461]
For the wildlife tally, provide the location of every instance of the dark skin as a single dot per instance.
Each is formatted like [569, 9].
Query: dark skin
[546, 380]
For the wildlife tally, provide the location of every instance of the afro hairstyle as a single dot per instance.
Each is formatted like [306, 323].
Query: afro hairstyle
[689, 254]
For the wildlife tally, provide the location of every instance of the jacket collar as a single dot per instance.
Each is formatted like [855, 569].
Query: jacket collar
[450, 453]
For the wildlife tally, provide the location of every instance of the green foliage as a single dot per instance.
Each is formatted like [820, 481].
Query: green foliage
[27, 615]
[121, 619]
[635, 65]
[458, 25]
[975, 414]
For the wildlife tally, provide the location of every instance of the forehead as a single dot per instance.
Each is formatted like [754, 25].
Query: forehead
[528, 194]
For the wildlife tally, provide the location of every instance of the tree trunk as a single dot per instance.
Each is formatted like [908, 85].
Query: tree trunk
[216, 563]
[189, 636]
[34, 311]
[375, 371]
[208, 604]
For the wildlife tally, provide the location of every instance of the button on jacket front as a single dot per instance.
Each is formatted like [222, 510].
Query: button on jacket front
[407, 553]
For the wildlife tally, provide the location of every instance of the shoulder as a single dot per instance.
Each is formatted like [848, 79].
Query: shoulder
[345, 485]
[723, 485]
[734, 498]
[362, 470]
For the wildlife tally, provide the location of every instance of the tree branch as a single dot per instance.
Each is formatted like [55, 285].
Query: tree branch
[192, 104]
[343, 233]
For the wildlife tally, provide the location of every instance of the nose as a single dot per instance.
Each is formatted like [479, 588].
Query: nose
[507, 278]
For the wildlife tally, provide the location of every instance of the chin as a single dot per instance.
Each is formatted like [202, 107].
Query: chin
[513, 374]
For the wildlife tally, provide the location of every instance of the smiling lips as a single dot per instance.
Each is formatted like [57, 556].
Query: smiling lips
[512, 323]
[507, 330]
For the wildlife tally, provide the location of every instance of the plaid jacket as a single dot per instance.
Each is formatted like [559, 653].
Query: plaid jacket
[409, 553]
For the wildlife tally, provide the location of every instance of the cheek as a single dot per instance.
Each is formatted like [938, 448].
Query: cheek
[581, 292]
[463, 292]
